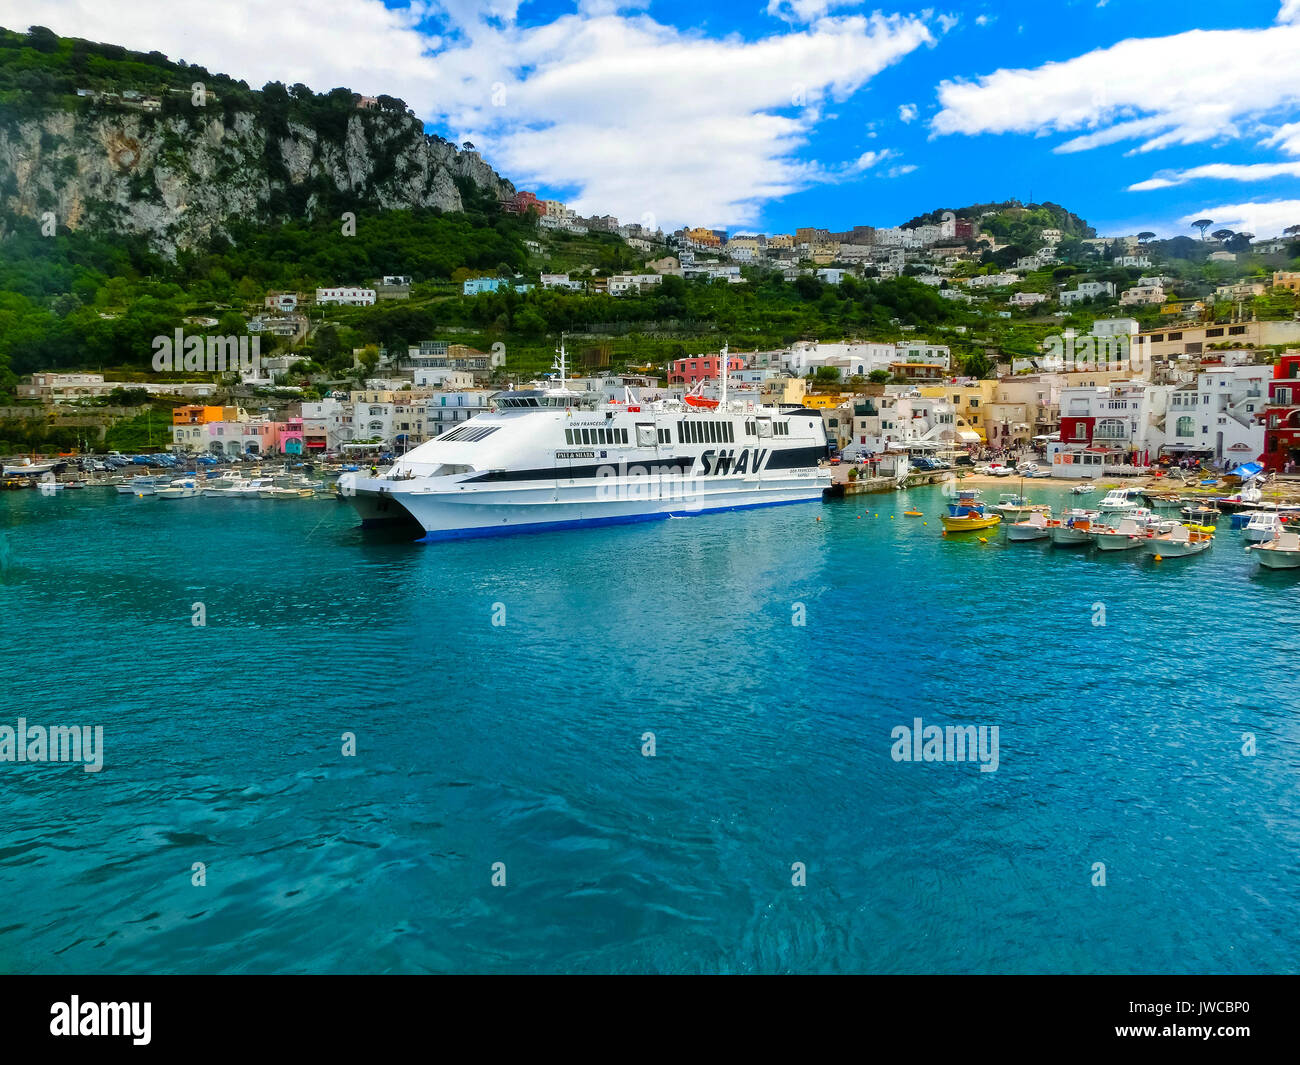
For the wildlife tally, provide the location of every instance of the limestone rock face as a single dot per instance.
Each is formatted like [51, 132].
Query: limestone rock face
[179, 179]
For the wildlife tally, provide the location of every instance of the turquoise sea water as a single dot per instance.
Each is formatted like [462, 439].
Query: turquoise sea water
[521, 743]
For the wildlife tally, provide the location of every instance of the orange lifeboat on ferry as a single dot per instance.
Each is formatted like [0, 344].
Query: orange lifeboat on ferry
[700, 401]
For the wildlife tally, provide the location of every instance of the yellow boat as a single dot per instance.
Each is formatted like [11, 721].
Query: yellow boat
[970, 521]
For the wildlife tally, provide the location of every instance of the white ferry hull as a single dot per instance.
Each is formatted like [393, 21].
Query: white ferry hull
[457, 512]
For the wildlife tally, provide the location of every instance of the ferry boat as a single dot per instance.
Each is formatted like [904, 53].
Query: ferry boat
[557, 459]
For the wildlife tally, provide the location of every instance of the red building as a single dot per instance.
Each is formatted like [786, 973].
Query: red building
[520, 203]
[702, 368]
[1282, 414]
[1077, 430]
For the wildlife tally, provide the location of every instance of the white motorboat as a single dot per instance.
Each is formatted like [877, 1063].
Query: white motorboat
[1263, 525]
[1076, 527]
[557, 459]
[1283, 552]
[1181, 540]
[1118, 500]
[249, 488]
[1125, 536]
[1034, 527]
[141, 485]
[1083, 489]
[181, 488]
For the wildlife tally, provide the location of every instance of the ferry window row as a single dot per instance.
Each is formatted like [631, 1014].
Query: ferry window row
[611, 435]
[693, 432]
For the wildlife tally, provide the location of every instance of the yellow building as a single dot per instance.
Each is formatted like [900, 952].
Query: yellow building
[780, 240]
[787, 390]
[825, 400]
[970, 401]
[704, 236]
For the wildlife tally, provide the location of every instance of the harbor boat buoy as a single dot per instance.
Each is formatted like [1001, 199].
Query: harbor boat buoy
[984, 539]
[1157, 558]
[911, 513]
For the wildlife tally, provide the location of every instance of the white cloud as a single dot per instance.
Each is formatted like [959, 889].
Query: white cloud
[907, 112]
[1217, 171]
[633, 116]
[1263, 219]
[899, 171]
[1186, 88]
[1290, 11]
[805, 11]
[982, 20]
[1286, 137]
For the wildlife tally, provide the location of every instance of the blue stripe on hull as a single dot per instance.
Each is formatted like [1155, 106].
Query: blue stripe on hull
[589, 523]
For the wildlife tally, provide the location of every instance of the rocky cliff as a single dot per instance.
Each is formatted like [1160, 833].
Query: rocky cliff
[179, 175]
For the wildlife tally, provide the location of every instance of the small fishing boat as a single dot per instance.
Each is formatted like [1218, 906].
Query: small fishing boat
[49, 488]
[1163, 501]
[1201, 513]
[968, 514]
[1035, 527]
[1075, 528]
[1125, 536]
[1181, 540]
[1263, 525]
[1016, 506]
[1082, 489]
[1280, 553]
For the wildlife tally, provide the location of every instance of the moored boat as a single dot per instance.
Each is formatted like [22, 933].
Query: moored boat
[1263, 525]
[1181, 540]
[1119, 499]
[1075, 527]
[1280, 553]
[1034, 527]
[1125, 536]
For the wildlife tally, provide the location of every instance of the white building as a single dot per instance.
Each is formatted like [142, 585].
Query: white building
[620, 284]
[1088, 290]
[1114, 327]
[1026, 299]
[347, 295]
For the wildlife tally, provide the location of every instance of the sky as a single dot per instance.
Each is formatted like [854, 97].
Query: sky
[767, 115]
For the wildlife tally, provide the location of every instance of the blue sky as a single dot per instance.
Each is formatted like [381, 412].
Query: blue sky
[773, 114]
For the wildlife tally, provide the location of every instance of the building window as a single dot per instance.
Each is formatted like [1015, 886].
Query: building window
[1186, 427]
